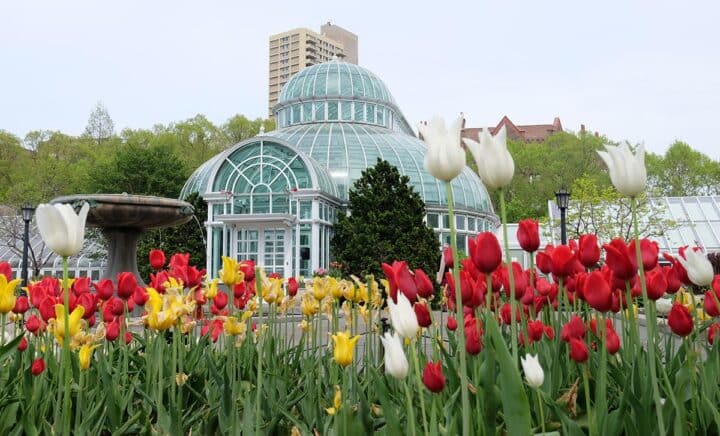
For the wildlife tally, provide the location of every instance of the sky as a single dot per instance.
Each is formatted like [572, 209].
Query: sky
[646, 72]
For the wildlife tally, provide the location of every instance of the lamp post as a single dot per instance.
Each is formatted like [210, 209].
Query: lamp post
[27, 212]
[562, 198]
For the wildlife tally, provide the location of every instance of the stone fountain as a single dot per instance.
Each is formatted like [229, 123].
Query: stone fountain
[123, 218]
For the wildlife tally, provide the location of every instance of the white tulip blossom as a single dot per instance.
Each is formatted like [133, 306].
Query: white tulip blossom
[627, 170]
[61, 228]
[663, 305]
[698, 267]
[402, 316]
[445, 157]
[494, 162]
[534, 374]
[396, 364]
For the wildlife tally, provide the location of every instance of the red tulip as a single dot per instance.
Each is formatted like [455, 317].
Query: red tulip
[423, 314]
[448, 257]
[506, 314]
[711, 303]
[716, 284]
[519, 279]
[543, 259]
[620, 259]
[575, 328]
[543, 286]
[528, 235]
[535, 330]
[220, 300]
[248, 269]
[115, 306]
[680, 320]
[128, 338]
[563, 261]
[81, 285]
[578, 350]
[22, 346]
[38, 366]
[179, 260]
[649, 251]
[672, 279]
[104, 289]
[656, 284]
[157, 259]
[485, 252]
[91, 321]
[140, 296]
[47, 308]
[112, 330]
[451, 323]
[423, 284]
[473, 342]
[292, 286]
[597, 292]
[399, 278]
[713, 332]
[612, 340]
[549, 332]
[588, 250]
[21, 304]
[157, 281]
[433, 377]
[194, 276]
[89, 302]
[126, 284]
[32, 324]
[6, 270]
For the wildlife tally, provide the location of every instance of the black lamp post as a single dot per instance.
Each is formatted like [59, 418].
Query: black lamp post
[562, 198]
[27, 212]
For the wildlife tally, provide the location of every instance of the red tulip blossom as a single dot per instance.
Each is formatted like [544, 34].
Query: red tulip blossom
[520, 280]
[485, 252]
[711, 303]
[473, 340]
[179, 260]
[157, 259]
[597, 292]
[528, 235]
[433, 377]
[620, 259]
[247, 267]
[506, 312]
[588, 250]
[656, 284]
[543, 260]
[672, 279]
[214, 328]
[612, 340]
[649, 251]
[578, 350]
[140, 296]
[292, 286]
[535, 330]
[38, 366]
[22, 346]
[680, 320]
[563, 261]
[713, 333]
[220, 300]
[6, 270]
[32, 324]
[104, 289]
[126, 284]
[447, 255]
[89, 302]
[423, 284]
[549, 332]
[21, 304]
[157, 281]
[423, 314]
[680, 270]
[575, 328]
[81, 285]
[466, 288]
[451, 323]
[399, 278]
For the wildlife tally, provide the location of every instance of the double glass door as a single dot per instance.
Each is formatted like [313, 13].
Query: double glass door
[265, 246]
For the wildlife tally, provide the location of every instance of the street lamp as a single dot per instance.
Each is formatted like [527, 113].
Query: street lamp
[27, 212]
[562, 198]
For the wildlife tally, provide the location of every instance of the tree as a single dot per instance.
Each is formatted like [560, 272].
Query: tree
[385, 224]
[100, 126]
[240, 128]
[682, 171]
[190, 238]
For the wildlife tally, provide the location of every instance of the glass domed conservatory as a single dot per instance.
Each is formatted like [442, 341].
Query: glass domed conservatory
[275, 197]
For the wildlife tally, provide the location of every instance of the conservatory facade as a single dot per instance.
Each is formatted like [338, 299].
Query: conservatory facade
[274, 198]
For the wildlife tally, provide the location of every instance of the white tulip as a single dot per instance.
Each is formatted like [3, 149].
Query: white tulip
[627, 170]
[402, 317]
[61, 228]
[698, 267]
[396, 364]
[494, 162]
[534, 374]
[445, 157]
[663, 305]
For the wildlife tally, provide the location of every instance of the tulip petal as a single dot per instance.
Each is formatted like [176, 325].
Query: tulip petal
[52, 227]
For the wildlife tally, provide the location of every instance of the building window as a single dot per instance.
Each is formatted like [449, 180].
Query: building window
[332, 110]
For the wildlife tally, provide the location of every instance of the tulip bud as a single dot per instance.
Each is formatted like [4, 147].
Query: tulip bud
[126, 284]
[575, 328]
[534, 375]
[485, 252]
[140, 296]
[423, 284]
[423, 314]
[292, 286]
[627, 170]
[396, 363]
[656, 284]
[22, 346]
[157, 259]
[32, 324]
[588, 250]
[445, 157]
[528, 235]
[6, 270]
[713, 333]
[494, 163]
[112, 330]
[680, 320]
[563, 261]
[343, 348]
[38, 365]
[578, 350]
[433, 377]
[21, 304]
[451, 323]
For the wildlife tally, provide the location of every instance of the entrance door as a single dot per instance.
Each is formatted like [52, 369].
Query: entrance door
[274, 251]
[266, 246]
[247, 244]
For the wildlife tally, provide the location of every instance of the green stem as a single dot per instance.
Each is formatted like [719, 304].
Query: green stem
[465, 395]
[259, 346]
[409, 407]
[511, 278]
[542, 412]
[66, 362]
[421, 392]
[650, 321]
[591, 421]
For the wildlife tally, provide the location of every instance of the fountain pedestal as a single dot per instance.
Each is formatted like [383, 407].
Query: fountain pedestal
[123, 218]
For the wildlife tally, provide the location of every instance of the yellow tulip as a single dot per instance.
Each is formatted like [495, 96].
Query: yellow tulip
[211, 289]
[319, 291]
[334, 288]
[73, 322]
[85, 355]
[304, 326]
[344, 346]
[229, 273]
[309, 305]
[233, 327]
[337, 402]
[272, 291]
[7, 293]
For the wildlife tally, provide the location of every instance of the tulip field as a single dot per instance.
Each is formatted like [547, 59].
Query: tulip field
[592, 338]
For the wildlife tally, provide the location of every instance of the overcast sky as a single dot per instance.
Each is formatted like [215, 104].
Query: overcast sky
[639, 71]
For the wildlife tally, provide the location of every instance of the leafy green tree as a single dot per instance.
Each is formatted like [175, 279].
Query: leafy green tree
[682, 171]
[188, 238]
[240, 128]
[385, 224]
[100, 126]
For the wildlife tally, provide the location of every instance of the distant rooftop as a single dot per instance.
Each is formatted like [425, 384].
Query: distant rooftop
[527, 133]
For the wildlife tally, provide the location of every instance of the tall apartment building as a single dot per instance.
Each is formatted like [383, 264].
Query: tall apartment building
[296, 49]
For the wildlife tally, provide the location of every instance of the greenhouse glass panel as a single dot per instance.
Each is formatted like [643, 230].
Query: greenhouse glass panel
[432, 220]
[296, 114]
[676, 209]
[359, 112]
[693, 209]
[319, 111]
[707, 238]
[320, 81]
[261, 199]
[332, 84]
[370, 113]
[332, 110]
[241, 204]
[346, 86]
[346, 110]
[305, 209]
[380, 114]
[688, 235]
[708, 208]
[307, 112]
[460, 222]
